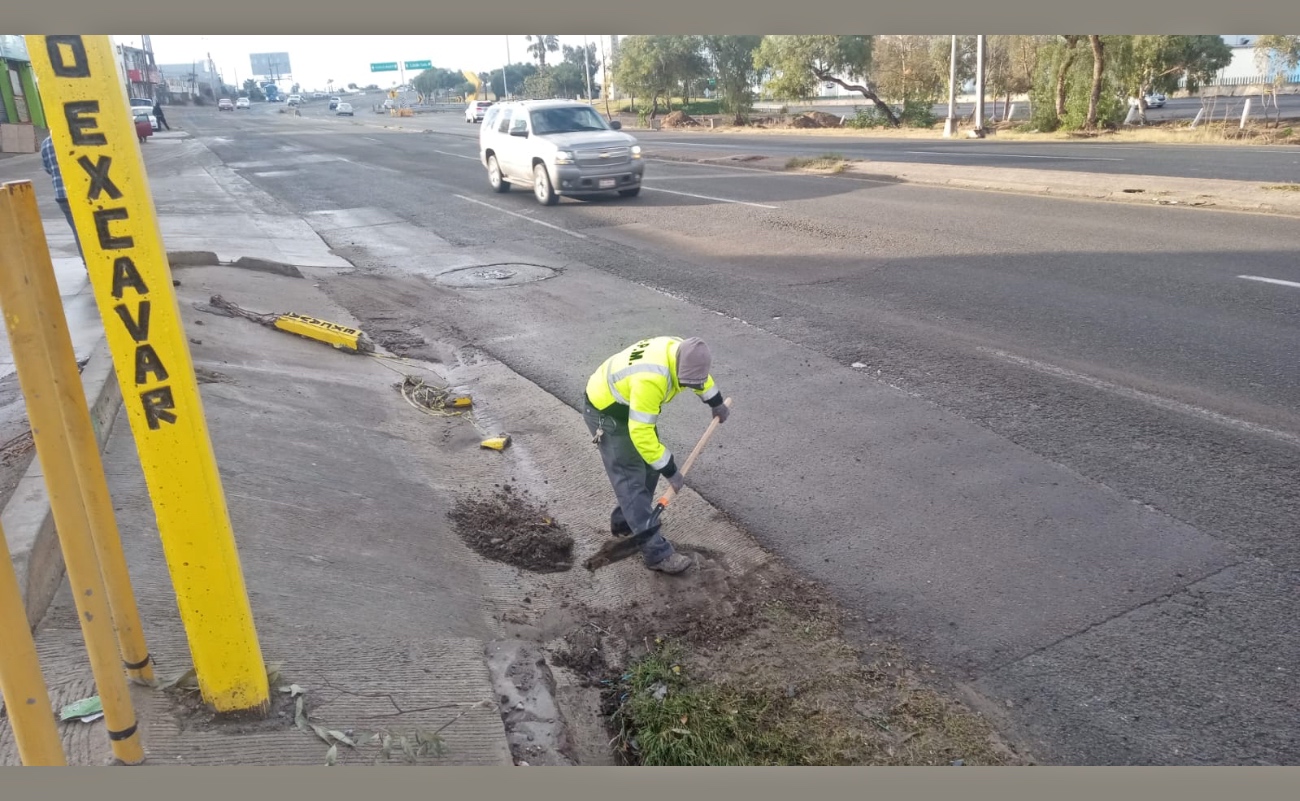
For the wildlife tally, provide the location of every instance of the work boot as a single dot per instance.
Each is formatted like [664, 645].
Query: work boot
[677, 563]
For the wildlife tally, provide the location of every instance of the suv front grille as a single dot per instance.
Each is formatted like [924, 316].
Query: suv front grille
[604, 157]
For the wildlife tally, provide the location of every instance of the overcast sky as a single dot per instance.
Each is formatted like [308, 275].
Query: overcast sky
[346, 59]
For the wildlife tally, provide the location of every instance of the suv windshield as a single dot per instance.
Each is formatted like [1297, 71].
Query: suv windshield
[567, 119]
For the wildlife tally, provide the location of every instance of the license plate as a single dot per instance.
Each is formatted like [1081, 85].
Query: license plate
[607, 183]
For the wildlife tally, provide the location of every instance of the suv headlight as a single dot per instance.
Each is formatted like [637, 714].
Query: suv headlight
[636, 151]
[564, 157]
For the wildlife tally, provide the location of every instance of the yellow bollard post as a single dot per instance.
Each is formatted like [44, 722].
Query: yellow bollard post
[27, 702]
[23, 320]
[112, 208]
[71, 397]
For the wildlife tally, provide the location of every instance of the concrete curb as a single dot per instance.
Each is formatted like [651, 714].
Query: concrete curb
[1174, 198]
[27, 518]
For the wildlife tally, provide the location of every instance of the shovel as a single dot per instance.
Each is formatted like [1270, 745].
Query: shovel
[616, 549]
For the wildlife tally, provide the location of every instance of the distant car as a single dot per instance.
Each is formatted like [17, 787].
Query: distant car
[559, 148]
[143, 105]
[334, 102]
[344, 110]
[295, 100]
[243, 102]
[476, 109]
[1153, 100]
[224, 104]
[388, 103]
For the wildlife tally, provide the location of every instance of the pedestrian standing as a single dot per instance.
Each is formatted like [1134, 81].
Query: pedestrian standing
[623, 399]
[51, 164]
[158, 113]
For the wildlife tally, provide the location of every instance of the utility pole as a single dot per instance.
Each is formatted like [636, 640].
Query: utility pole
[505, 81]
[150, 65]
[979, 86]
[950, 125]
[604, 77]
[586, 66]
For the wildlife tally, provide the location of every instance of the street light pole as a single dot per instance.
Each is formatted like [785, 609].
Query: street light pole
[505, 82]
[586, 66]
[950, 126]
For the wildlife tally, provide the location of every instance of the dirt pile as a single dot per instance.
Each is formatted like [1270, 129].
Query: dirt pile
[680, 119]
[816, 119]
[509, 526]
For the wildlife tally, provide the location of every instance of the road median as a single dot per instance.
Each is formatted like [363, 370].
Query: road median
[1150, 190]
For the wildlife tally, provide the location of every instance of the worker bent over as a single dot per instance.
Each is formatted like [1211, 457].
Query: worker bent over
[622, 410]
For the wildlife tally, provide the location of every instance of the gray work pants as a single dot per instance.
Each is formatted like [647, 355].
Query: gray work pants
[67, 214]
[634, 483]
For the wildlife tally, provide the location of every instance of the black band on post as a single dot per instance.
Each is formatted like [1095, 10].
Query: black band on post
[124, 734]
[139, 665]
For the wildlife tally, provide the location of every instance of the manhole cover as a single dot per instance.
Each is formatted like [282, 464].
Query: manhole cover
[495, 275]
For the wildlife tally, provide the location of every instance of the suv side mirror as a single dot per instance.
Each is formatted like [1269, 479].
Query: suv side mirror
[521, 132]
[615, 125]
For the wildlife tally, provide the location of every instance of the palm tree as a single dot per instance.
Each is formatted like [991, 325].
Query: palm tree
[541, 45]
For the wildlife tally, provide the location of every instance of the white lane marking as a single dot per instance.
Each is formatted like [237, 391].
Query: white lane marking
[1277, 281]
[275, 173]
[524, 217]
[692, 144]
[708, 197]
[371, 138]
[1007, 155]
[1146, 397]
[457, 155]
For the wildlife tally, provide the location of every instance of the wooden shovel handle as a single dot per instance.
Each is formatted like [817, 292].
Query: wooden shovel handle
[667, 497]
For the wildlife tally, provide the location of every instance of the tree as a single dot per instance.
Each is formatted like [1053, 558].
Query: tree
[515, 74]
[436, 79]
[1098, 74]
[352, 86]
[1277, 51]
[795, 64]
[733, 64]
[585, 62]
[911, 69]
[541, 44]
[540, 85]
[1146, 64]
[253, 91]
[658, 66]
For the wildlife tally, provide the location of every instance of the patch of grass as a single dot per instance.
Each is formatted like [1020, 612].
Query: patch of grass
[666, 719]
[1283, 188]
[829, 162]
[667, 716]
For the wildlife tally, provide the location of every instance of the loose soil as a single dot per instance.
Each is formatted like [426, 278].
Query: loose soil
[509, 526]
[680, 119]
[770, 648]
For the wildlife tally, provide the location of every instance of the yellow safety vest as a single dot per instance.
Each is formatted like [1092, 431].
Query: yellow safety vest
[641, 380]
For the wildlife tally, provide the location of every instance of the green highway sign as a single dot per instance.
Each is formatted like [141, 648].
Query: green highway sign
[387, 66]
[419, 65]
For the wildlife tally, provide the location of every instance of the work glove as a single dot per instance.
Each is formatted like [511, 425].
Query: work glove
[721, 412]
[676, 481]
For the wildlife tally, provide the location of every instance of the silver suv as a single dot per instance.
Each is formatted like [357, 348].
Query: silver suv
[560, 148]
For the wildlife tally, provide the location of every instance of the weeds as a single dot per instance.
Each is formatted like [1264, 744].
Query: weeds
[831, 162]
[664, 715]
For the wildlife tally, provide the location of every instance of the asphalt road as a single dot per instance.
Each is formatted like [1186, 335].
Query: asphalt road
[1050, 444]
[1266, 164]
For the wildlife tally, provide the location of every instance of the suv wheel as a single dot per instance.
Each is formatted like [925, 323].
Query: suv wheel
[495, 179]
[542, 186]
